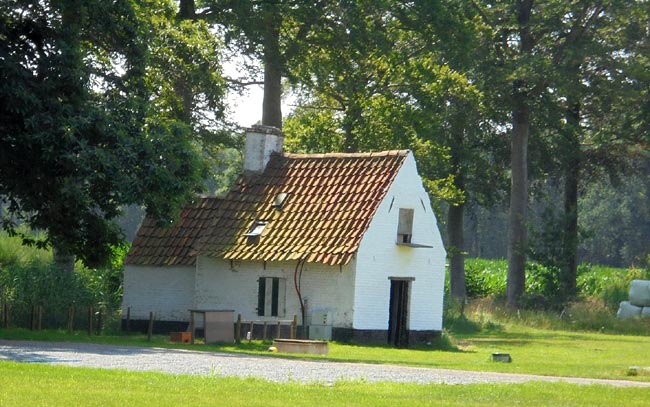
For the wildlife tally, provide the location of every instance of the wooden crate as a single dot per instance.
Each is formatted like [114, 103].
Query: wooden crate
[183, 337]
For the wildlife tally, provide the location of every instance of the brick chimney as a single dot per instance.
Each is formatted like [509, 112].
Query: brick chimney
[261, 141]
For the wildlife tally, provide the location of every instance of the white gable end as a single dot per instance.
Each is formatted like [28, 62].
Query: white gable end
[421, 263]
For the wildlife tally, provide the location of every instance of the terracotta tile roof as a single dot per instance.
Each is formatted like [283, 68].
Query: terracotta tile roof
[159, 245]
[331, 199]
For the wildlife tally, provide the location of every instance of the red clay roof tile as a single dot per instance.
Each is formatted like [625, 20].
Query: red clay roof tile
[332, 199]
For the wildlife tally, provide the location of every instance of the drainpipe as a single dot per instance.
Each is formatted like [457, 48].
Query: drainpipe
[297, 277]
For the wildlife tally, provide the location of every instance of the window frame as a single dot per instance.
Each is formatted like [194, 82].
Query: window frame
[405, 225]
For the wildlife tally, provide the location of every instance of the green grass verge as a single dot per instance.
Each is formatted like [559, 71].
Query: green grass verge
[534, 351]
[43, 385]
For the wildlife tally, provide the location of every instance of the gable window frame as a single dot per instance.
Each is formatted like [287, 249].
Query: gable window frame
[405, 229]
[405, 225]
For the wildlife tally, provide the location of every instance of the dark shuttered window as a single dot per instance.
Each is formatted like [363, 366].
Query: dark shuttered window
[270, 296]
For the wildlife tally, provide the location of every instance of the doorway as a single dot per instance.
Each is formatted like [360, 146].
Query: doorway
[398, 313]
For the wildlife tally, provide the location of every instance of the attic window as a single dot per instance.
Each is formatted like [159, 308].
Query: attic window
[405, 226]
[257, 229]
[279, 200]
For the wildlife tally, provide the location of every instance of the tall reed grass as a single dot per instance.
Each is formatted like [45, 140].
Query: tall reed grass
[29, 278]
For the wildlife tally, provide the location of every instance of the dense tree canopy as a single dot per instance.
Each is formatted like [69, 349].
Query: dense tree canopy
[565, 83]
[548, 62]
[105, 104]
[88, 116]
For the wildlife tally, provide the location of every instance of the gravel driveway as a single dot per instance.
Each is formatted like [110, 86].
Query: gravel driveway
[268, 368]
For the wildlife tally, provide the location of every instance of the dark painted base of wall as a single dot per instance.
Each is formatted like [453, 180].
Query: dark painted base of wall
[165, 327]
[159, 327]
[415, 338]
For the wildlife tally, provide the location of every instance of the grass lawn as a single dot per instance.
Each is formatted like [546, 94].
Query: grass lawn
[43, 385]
[543, 352]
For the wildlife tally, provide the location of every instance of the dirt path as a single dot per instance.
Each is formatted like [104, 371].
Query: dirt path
[268, 368]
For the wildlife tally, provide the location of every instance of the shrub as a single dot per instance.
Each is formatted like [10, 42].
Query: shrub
[488, 278]
[29, 278]
[608, 284]
[542, 285]
[485, 277]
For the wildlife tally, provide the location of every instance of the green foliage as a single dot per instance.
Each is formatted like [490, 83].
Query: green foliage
[611, 285]
[310, 129]
[90, 120]
[615, 213]
[608, 285]
[34, 283]
[225, 166]
[485, 277]
[613, 223]
[13, 251]
[547, 234]
[28, 277]
[542, 281]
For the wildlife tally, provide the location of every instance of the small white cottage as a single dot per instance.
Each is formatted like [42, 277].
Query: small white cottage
[351, 237]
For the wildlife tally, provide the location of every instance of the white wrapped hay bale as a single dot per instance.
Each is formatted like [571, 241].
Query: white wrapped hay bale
[640, 293]
[645, 312]
[627, 310]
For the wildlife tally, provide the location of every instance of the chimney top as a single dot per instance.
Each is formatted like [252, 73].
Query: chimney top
[261, 142]
[263, 129]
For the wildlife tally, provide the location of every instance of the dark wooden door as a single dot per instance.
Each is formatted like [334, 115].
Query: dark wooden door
[398, 317]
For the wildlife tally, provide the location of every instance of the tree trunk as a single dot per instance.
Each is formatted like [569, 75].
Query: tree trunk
[186, 10]
[272, 102]
[351, 122]
[456, 238]
[517, 235]
[455, 232]
[569, 275]
[182, 87]
[63, 259]
[73, 93]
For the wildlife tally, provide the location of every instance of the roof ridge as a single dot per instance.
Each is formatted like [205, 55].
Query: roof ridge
[368, 154]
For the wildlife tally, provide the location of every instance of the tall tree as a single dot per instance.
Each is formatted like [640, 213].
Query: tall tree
[268, 31]
[347, 62]
[454, 112]
[527, 42]
[86, 117]
[602, 66]
[383, 77]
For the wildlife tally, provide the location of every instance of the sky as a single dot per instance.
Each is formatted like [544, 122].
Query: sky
[246, 109]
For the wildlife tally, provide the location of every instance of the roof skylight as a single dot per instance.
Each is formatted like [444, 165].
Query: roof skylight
[256, 229]
[279, 200]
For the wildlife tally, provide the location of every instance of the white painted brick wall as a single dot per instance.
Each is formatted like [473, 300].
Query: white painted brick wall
[325, 287]
[357, 294]
[167, 291]
[379, 258]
